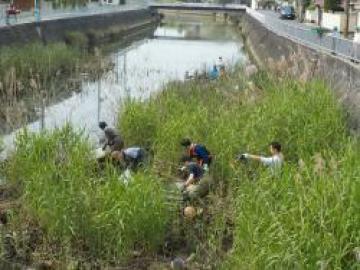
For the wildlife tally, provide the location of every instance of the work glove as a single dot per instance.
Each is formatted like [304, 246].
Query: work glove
[206, 167]
[242, 156]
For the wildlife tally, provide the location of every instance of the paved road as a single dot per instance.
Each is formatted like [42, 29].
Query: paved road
[48, 13]
[276, 16]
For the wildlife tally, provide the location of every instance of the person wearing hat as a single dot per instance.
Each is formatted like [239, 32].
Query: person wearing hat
[113, 139]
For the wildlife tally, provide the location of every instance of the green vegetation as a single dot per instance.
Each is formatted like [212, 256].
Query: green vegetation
[84, 213]
[332, 5]
[56, 4]
[308, 217]
[34, 67]
[36, 59]
[77, 39]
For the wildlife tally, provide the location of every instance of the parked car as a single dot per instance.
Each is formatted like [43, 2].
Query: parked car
[287, 12]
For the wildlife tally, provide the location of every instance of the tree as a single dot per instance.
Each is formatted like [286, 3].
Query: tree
[333, 5]
[302, 5]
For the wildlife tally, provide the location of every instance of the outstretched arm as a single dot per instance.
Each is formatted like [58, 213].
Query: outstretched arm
[253, 157]
[264, 160]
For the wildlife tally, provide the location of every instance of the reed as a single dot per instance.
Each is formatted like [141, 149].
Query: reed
[85, 213]
[307, 216]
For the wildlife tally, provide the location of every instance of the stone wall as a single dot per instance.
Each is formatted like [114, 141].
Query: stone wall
[280, 54]
[56, 30]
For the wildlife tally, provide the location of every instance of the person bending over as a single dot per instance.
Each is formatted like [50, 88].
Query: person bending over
[199, 152]
[130, 158]
[197, 185]
[113, 139]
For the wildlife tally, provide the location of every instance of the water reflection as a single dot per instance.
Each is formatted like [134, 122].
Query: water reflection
[141, 70]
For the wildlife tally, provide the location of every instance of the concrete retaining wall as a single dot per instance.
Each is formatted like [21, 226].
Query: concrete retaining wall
[55, 30]
[284, 55]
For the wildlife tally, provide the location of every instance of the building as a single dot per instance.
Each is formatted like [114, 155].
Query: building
[332, 19]
[24, 4]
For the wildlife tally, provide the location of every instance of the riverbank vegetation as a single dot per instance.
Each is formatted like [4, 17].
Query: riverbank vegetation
[33, 74]
[82, 213]
[306, 218]
[34, 67]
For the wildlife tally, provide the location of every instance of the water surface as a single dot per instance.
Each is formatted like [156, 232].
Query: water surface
[140, 70]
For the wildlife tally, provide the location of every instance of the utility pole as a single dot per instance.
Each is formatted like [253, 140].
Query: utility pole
[347, 11]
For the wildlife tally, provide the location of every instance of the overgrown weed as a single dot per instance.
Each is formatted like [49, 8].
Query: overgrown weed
[87, 214]
[310, 214]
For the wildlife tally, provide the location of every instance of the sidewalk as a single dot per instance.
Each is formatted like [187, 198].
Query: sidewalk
[306, 34]
[48, 13]
[276, 16]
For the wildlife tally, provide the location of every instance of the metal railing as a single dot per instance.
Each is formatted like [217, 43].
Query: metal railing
[47, 12]
[345, 48]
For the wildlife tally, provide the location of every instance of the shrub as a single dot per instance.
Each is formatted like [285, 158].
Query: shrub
[77, 39]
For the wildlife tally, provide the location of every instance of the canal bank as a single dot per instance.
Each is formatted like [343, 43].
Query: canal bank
[96, 219]
[141, 66]
[285, 56]
[141, 70]
[97, 27]
[76, 216]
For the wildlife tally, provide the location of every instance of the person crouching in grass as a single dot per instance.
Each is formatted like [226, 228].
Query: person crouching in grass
[197, 183]
[198, 151]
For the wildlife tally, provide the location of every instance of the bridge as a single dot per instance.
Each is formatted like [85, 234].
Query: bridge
[200, 7]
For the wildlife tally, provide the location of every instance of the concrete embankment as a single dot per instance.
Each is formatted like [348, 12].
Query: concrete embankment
[97, 27]
[281, 54]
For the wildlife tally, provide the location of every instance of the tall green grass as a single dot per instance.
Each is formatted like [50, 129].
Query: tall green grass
[29, 69]
[306, 217]
[36, 58]
[84, 212]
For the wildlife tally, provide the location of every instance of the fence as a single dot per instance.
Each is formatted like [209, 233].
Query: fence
[48, 11]
[310, 37]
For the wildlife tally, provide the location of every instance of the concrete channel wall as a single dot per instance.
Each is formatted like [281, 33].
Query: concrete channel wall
[56, 30]
[280, 54]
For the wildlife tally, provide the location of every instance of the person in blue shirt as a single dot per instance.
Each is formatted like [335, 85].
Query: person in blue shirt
[194, 170]
[199, 152]
[214, 73]
[197, 183]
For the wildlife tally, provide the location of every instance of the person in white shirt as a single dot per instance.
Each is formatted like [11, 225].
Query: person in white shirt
[274, 162]
[335, 34]
[130, 158]
[221, 66]
[356, 43]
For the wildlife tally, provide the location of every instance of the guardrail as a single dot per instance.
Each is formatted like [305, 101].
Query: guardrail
[49, 13]
[311, 37]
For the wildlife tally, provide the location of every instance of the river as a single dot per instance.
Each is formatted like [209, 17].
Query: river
[141, 69]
